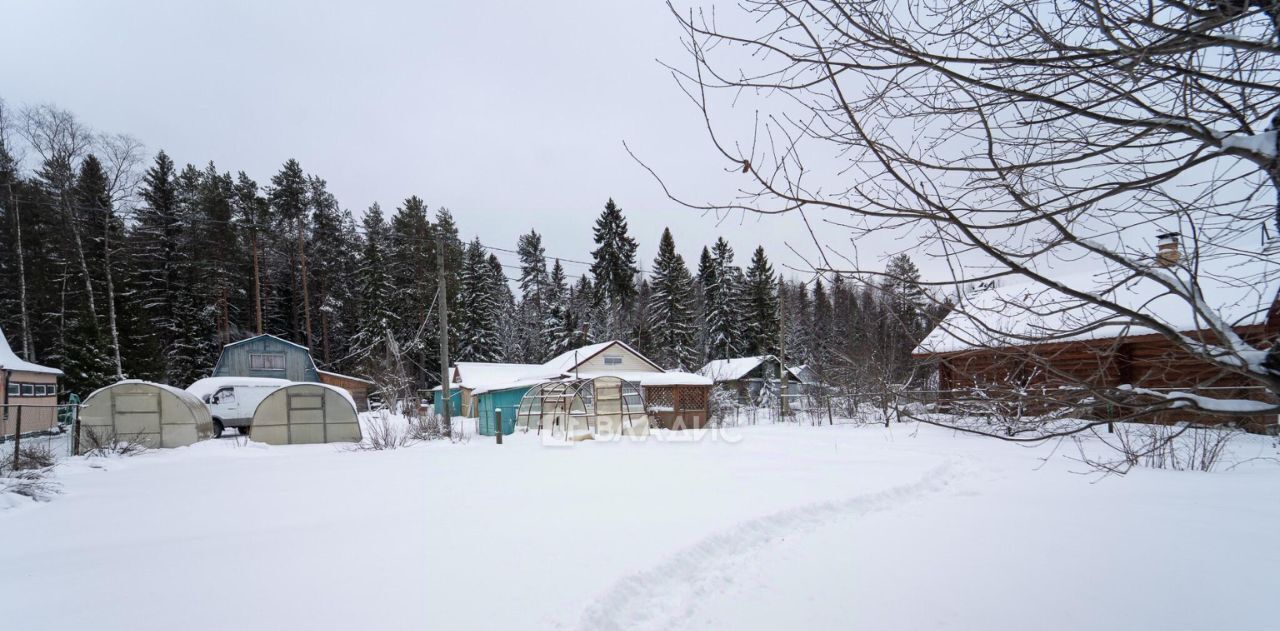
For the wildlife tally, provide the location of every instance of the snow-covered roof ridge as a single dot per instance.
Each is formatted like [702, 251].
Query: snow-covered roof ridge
[1029, 313]
[10, 361]
[734, 368]
[568, 360]
[486, 375]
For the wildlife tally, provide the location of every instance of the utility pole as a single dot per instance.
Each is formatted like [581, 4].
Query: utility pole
[782, 351]
[443, 307]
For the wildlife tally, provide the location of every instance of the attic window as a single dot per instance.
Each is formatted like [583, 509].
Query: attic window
[274, 361]
[613, 360]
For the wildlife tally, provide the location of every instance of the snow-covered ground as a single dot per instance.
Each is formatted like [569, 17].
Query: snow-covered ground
[775, 527]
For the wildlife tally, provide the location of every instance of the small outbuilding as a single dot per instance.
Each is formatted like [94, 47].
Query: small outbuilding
[503, 399]
[154, 414]
[29, 385]
[305, 414]
[750, 377]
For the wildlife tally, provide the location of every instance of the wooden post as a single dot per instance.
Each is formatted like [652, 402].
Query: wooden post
[17, 441]
[497, 423]
[782, 352]
[75, 430]
[443, 306]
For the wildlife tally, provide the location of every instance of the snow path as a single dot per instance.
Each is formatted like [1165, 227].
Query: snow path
[668, 594]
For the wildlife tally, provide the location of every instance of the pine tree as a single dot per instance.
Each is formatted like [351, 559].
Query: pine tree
[671, 308]
[761, 316]
[614, 270]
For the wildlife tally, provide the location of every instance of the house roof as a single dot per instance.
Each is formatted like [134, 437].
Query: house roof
[278, 339]
[10, 361]
[489, 377]
[483, 375]
[568, 360]
[661, 378]
[736, 368]
[1031, 313]
[342, 376]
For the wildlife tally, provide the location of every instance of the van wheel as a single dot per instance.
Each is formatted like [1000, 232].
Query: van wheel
[244, 431]
[217, 428]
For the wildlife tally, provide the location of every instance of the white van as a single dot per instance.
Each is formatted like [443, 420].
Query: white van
[232, 400]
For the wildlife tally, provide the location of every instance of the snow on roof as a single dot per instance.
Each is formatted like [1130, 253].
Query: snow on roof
[566, 361]
[209, 385]
[483, 375]
[655, 378]
[733, 369]
[10, 361]
[279, 339]
[1016, 314]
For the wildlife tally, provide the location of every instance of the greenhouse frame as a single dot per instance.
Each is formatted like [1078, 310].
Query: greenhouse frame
[576, 409]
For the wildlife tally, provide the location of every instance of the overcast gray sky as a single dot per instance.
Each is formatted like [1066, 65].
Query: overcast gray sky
[511, 114]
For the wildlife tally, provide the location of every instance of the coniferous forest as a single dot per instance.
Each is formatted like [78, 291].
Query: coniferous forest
[120, 263]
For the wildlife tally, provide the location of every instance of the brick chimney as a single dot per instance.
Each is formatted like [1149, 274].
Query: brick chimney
[1168, 253]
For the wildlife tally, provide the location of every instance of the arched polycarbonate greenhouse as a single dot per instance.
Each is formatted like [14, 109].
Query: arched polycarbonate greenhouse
[304, 414]
[152, 414]
[582, 408]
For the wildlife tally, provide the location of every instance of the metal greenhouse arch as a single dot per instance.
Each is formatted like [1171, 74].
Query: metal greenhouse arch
[577, 409]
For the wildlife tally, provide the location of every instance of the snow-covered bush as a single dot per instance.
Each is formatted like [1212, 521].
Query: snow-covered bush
[1182, 447]
[30, 476]
[102, 443]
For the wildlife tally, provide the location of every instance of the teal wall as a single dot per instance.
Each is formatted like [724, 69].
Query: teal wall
[234, 361]
[455, 402]
[506, 400]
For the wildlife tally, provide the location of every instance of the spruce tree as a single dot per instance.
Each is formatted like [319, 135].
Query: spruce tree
[159, 259]
[478, 309]
[289, 201]
[555, 326]
[671, 308]
[533, 299]
[614, 270]
[374, 291]
[820, 326]
[722, 291]
[761, 297]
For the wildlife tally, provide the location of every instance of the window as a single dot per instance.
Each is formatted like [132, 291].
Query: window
[39, 389]
[613, 360]
[223, 396]
[266, 362]
[13, 390]
[28, 390]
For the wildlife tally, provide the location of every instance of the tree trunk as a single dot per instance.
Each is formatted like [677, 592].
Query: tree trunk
[257, 281]
[306, 294]
[27, 350]
[84, 263]
[111, 298]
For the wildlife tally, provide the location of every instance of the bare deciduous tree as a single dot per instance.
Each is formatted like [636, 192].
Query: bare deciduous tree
[1019, 140]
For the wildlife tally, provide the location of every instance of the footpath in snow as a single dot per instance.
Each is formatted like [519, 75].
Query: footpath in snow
[782, 526]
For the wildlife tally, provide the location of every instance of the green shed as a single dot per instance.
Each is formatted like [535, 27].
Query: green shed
[455, 402]
[506, 399]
